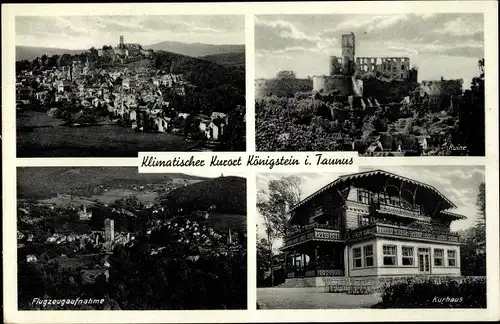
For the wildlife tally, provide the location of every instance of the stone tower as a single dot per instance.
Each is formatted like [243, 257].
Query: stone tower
[348, 52]
[109, 229]
[121, 41]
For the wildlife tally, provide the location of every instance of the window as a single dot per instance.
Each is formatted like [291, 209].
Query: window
[452, 258]
[357, 257]
[363, 220]
[368, 250]
[389, 255]
[407, 256]
[438, 257]
[364, 196]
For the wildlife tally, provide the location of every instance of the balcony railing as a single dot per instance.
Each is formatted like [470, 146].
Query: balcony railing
[379, 229]
[315, 232]
[315, 273]
[399, 211]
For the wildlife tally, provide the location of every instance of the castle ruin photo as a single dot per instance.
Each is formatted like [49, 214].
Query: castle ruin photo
[375, 105]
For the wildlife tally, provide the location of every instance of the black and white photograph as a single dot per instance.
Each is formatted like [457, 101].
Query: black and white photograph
[397, 237]
[382, 85]
[111, 86]
[109, 238]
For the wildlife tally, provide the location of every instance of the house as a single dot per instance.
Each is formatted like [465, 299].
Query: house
[31, 258]
[422, 141]
[215, 130]
[128, 83]
[219, 115]
[64, 86]
[396, 142]
[84, 215]
[370, 225]
[204, 124]
[162, 123]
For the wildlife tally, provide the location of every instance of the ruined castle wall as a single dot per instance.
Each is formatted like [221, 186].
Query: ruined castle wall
[319, 82]
[335, 65]
[393, 91]
[281, 87]
[342, 84]
[395, 67]
[339, 83]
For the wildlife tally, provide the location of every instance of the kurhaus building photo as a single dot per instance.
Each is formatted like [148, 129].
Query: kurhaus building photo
[354, 235]
[372, 223]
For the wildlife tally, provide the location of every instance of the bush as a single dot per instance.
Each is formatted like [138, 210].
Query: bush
[469, 293]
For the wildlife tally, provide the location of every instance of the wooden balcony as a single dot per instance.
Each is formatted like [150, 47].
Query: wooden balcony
[400, 211]
[313, 233]
[315, 273]
[403, 232]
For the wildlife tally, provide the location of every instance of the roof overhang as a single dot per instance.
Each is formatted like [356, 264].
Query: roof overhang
[376, 180]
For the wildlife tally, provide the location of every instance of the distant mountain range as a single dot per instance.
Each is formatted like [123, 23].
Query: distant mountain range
[32, 52]
[195, 49]
[189, 49]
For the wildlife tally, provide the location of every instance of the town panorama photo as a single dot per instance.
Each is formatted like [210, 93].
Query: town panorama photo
[111, 86]
[381, 85]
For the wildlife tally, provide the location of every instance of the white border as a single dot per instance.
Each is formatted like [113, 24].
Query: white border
[12, 315]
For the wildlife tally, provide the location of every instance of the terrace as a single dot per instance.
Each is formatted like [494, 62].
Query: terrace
[313, 232]
[431, 233]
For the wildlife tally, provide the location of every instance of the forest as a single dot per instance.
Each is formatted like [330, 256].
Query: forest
[314, 122]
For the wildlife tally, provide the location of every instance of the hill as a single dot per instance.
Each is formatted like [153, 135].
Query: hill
[227, 194]
[237, 59]
[195, 49]
[38, 183]
[32, 52]
[218, 87]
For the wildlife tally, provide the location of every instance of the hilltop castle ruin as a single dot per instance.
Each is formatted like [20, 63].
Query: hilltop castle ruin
[125, 51]
[354, 78]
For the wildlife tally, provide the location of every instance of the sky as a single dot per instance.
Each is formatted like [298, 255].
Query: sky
[82, 32]
[447, 45]
[457, 183]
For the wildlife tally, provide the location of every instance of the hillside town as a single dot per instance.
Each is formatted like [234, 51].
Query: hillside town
[117, 86]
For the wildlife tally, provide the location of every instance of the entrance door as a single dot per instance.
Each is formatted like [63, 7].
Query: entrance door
[424, 264]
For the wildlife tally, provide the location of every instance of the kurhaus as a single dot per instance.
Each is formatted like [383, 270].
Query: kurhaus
[372, 224]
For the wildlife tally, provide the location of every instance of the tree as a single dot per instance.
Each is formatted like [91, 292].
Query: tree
[263, 259]
[471, 116]
[273, 205]
[481, 205]
[473, 261]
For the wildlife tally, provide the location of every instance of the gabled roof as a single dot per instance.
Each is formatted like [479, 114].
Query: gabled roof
[376, 176]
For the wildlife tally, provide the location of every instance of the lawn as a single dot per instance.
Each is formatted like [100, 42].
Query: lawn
[311, 298]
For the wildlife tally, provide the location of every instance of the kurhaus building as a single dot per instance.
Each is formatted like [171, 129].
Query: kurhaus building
[372, 224]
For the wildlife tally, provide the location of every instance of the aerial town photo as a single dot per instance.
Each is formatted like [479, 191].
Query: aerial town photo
[397, 237]
[110, 86]
[109, 238]
[381, 85]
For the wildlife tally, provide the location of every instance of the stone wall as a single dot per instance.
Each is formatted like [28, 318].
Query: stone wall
[395, 67]
[286, 87]
[388, 91]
